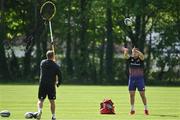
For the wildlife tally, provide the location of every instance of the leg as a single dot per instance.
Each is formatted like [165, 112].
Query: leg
[40, 105]
[141, 88]
[132, 99]
[52, 97]
[41, 96]
[132, 96]
[144, 100]
[52, 106]
[143, 97]
[132, 89]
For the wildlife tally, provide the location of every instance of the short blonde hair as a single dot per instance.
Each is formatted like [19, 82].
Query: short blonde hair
[50, 54]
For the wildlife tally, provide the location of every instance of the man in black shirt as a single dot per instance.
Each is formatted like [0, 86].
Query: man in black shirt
[49, 72]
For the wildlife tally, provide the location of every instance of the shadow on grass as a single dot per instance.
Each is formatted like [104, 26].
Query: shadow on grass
[160, 115]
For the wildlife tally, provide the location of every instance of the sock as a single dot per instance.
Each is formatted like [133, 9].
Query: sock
[39, 109]
[132, 107]
[53, 115]
[145, 107]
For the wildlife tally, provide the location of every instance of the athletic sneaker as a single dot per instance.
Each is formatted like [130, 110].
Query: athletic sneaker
[38, 117]
[35, 115]
[146, 112]
[53, 118]
[132, 112]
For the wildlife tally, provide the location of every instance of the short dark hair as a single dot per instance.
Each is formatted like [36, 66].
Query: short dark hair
[50, 54]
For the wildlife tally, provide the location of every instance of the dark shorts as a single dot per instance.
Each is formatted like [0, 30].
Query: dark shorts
[45, 90]
[136, 82]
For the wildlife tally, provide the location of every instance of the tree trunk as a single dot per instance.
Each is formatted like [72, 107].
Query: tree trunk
[137, 31]
[161, 73]
[4, 72]
[27, 63]
[83, 41]
[94, 72]
[39, 25]
[142, 36]
[44, 39]
[148, 60]
[101, 62]
[109, 48]
[68, 43]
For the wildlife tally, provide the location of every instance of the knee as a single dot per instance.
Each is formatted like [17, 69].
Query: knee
[132, 95]
[40, 101]
[143, 96]
[52, 101]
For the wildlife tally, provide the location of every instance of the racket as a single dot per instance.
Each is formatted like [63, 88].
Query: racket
[47, 12]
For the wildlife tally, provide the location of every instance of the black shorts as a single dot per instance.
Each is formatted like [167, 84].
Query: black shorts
[45, 90]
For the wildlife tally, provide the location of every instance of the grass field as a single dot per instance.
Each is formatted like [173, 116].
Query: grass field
[82, 102]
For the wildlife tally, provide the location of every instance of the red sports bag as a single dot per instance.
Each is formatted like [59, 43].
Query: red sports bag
[106, 107]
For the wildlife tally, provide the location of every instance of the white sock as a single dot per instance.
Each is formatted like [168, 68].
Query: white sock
[132, 107]
[145, 107]
[53, 115]
[39, 109]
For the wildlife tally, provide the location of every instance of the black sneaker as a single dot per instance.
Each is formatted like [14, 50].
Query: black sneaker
[35, 115]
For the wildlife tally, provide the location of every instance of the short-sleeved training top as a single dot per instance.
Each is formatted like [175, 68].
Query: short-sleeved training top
[48, 71]
[136, 67]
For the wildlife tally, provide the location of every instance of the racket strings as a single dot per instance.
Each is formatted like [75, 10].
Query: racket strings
[48, 10]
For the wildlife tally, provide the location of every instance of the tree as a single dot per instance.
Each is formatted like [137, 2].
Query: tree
[4, 72]
[109, 47]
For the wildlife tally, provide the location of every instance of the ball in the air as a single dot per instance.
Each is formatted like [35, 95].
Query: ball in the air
[5, 113]
[29, 115]
[128, 21]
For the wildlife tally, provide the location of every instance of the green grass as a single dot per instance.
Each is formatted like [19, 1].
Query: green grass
[82, 102]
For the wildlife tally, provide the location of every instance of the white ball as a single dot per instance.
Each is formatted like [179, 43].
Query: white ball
[128, 21]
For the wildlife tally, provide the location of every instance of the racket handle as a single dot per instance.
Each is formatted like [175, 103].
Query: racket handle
[52, 41]
[53, 49]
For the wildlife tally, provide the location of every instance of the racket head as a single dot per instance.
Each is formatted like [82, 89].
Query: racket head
[48, 10]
